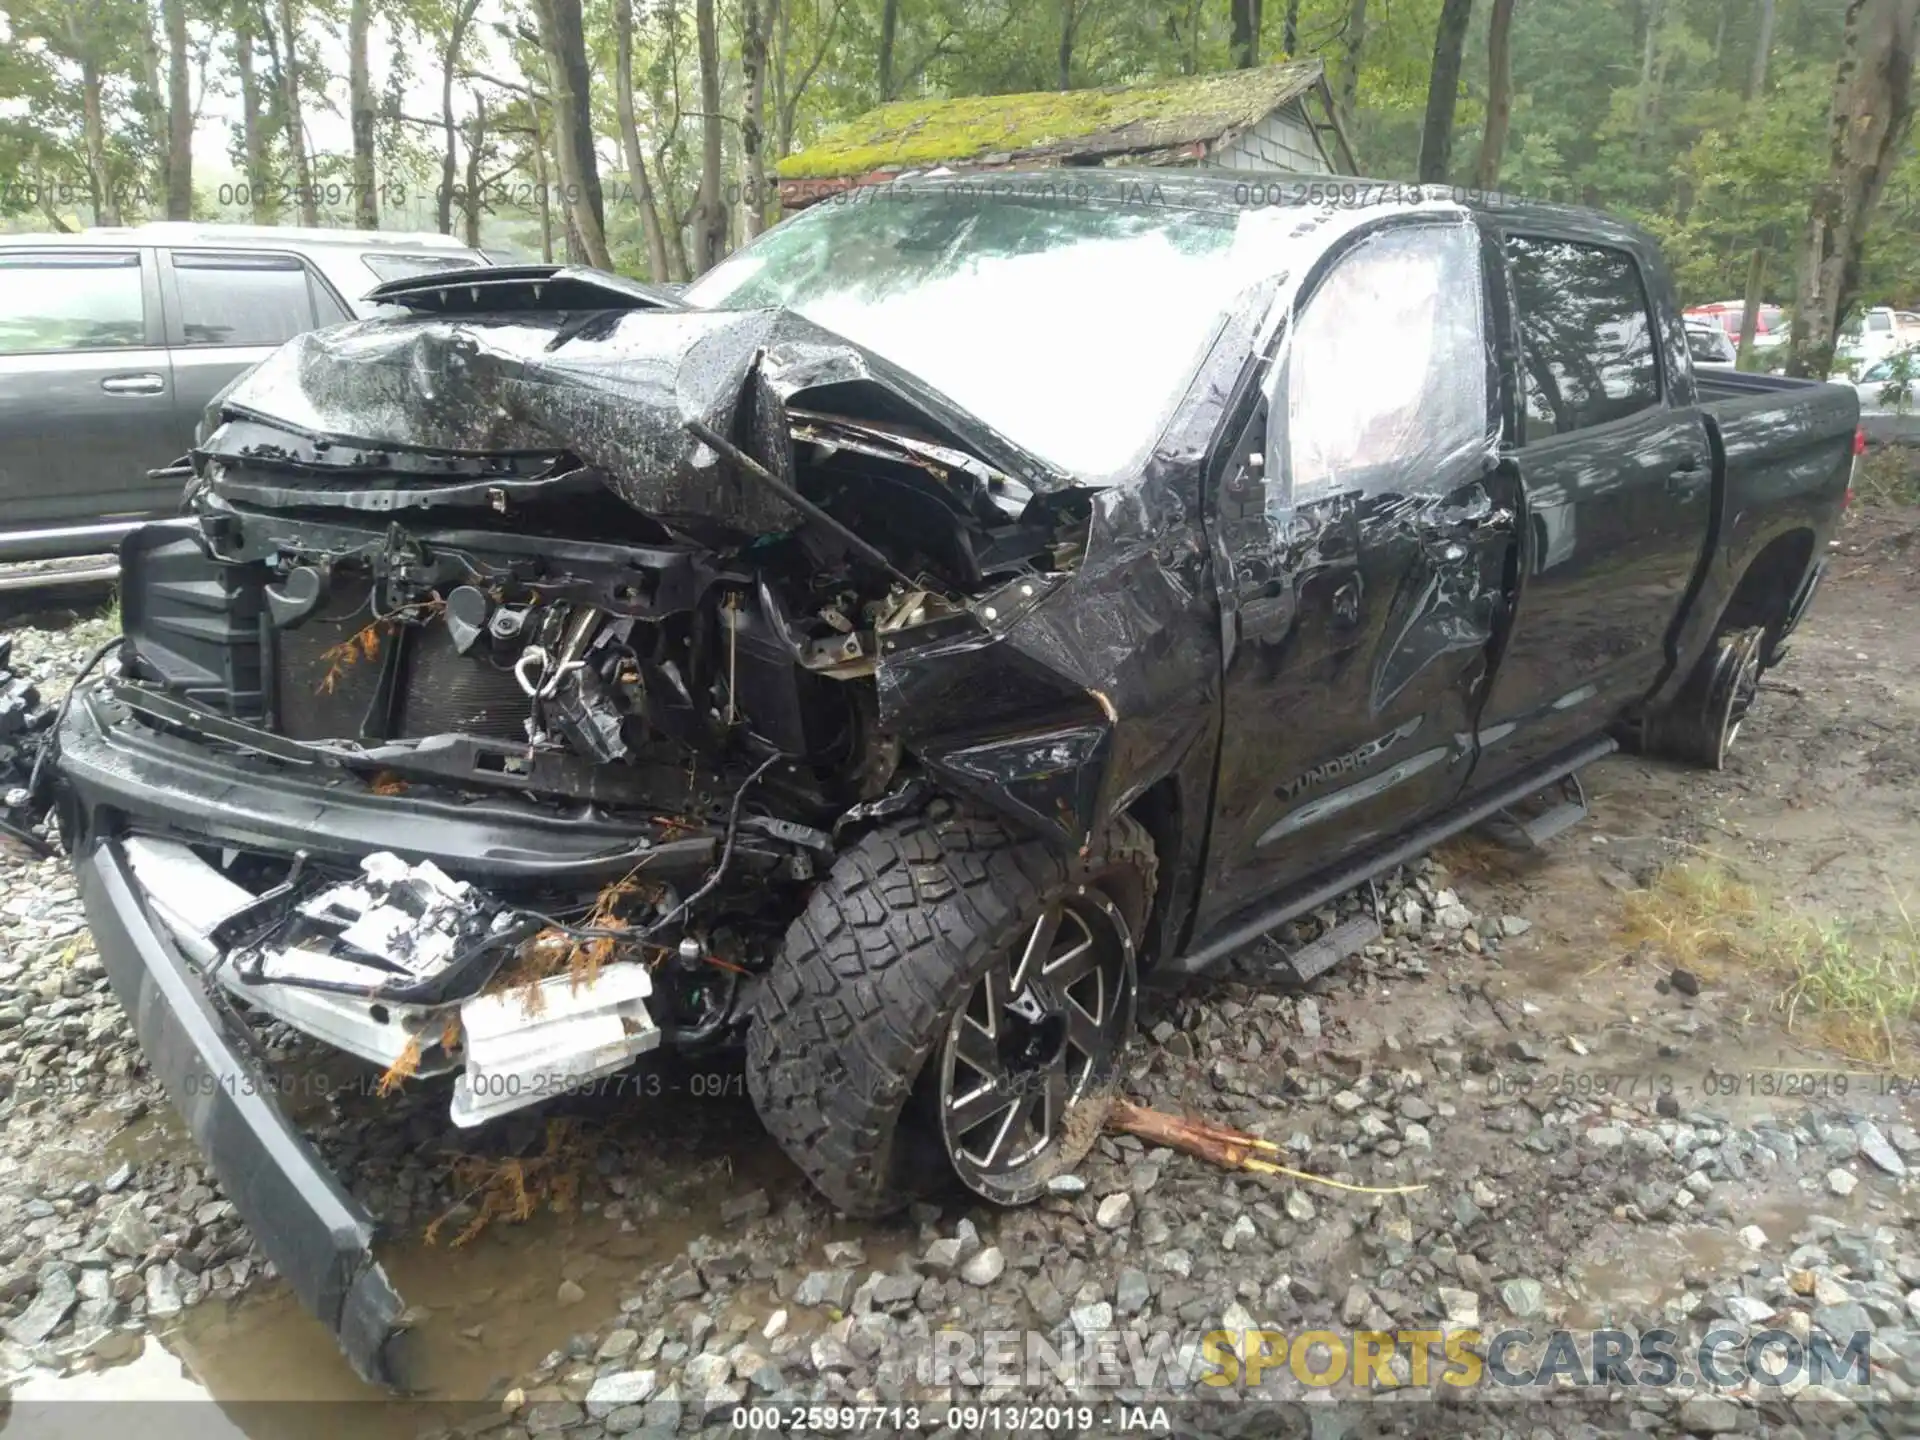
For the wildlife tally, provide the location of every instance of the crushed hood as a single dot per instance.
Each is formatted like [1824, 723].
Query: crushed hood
[616, 388]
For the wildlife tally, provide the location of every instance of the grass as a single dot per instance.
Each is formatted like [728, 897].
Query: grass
[1889, 475]
[1853, 985]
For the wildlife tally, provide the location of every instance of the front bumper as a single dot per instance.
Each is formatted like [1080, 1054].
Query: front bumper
[131, 794]
[316, 1235]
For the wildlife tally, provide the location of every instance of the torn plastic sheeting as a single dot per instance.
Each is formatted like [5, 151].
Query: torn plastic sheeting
[1388, 433]
[1377, 404]
[1449, 597]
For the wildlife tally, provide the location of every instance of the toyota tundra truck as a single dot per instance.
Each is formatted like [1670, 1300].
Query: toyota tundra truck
[959, 607]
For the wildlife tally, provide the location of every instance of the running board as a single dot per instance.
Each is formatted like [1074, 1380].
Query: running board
[1414, 846]
[1532, 832]
[1310, 962]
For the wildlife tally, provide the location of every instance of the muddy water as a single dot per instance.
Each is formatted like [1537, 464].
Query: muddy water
[483, 1314]
[262, 1368]
[1628, 1276]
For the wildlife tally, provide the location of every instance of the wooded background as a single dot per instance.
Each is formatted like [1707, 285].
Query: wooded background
[1767, 142]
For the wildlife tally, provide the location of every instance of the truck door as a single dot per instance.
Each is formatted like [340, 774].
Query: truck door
[1618, 482]
[86, 396]
[1363, 528]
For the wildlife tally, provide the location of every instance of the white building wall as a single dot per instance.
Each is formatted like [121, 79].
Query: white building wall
[1282, 141]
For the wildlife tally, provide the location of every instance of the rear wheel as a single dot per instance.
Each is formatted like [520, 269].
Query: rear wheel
[954, 1001]
[1704, 719]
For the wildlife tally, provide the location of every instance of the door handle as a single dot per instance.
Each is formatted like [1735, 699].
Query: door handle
[1684, 477]
[146, 382]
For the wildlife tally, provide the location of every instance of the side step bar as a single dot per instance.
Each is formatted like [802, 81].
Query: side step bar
[1310, 962]
[1418, 843]
[1517, 830]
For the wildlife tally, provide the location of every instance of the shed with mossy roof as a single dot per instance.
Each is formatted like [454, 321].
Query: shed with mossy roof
[1272, 117]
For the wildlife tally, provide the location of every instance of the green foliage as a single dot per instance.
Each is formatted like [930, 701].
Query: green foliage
[1902, 370]
[1663, 132]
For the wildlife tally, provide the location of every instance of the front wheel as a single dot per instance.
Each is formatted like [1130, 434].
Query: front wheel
[954, 1001]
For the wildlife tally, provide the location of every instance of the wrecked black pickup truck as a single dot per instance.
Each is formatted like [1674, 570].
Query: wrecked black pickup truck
[950, 610]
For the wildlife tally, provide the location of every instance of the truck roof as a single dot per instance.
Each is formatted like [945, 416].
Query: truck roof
[195, 232]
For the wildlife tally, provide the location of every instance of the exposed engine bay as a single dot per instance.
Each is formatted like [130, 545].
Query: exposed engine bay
[801, 623]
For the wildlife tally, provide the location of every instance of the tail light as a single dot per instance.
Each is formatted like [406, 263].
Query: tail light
[1859, 439]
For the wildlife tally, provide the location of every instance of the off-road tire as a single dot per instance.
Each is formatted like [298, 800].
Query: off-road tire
[868, 977]
[1700, 724]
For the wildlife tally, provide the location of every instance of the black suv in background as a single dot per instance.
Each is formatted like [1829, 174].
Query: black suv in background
[112, 341]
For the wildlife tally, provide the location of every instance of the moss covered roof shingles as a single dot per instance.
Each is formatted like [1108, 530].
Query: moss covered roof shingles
[1052, 124]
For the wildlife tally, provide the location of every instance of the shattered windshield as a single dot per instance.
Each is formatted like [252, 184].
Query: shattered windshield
[1072, 329]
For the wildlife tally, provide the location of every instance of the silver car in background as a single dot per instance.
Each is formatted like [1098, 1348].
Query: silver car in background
[113, 340]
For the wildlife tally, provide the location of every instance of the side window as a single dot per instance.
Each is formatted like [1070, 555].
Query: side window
[238, 299]
[76, 300]
[326, 309]
[1586, 336]
[1385, 369]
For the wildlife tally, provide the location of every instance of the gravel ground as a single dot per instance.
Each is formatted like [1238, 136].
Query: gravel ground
[1448, 1056]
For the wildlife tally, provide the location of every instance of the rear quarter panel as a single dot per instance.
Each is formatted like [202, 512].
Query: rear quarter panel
[1786, 448]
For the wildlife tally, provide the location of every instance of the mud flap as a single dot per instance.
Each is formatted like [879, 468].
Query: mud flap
[316, 1235]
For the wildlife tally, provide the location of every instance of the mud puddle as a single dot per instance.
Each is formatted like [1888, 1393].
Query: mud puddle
[1628, 1273]
[262, 1368]
[483, 1313]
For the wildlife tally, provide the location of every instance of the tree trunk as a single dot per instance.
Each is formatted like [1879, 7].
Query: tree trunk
[1443, 90]
[296, 130]
[782, 53]
[1356, 48]
[1649, 49]
[360, 114]
[449, 157]
[1246, 34]
[1762, 44]
[152, 104]
[179, 113]
[1872, 114]
[1069, 18]
[710, 210]
[93, 127]
[1750, 315]
[541, 177]
[756, 36]
[788, 89]
[253, 124]
[1493, 139]
[1290, 29]
[476, 147]
[637, 176]
[889, 26]
[565, 43]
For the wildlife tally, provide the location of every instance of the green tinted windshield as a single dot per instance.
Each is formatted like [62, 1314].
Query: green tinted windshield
[1073, 329]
